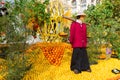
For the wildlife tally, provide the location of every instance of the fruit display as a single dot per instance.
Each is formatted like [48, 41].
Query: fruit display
[43, 70]
[114, 78]
[54, 30]
[46, 67]
[50, 58]
[63, 34]
[104, 51]
[53, 52]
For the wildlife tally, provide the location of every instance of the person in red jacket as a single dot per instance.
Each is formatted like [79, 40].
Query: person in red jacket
[78, 40]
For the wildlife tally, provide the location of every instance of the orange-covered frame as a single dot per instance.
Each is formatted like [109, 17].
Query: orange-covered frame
[53, 52]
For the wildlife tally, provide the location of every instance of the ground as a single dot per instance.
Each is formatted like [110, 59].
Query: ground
[43, 70]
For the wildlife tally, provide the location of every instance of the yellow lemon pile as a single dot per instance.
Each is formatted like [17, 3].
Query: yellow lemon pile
[43, 70]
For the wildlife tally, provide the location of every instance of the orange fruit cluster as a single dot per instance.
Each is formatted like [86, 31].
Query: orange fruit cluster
[102, 56]
[115, 78]
[54, 52]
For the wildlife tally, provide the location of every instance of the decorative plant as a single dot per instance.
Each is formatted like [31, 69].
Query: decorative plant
[14, 27]
[103, 25]
[16, 65]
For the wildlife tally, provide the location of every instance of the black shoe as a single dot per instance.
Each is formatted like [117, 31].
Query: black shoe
[88, 70]
[115, 71]
[76, 71]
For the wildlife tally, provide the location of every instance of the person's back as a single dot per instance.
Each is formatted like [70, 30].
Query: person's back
[78, 35]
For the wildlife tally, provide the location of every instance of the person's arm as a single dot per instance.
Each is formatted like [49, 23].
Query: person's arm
[72, 31]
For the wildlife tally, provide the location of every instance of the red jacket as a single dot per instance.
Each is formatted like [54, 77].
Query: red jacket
[78, 35]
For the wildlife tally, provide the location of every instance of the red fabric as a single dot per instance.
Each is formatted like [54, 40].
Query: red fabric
[78, 35]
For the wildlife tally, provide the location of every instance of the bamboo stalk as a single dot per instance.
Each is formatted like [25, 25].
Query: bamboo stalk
[71, 19]
[68, 18]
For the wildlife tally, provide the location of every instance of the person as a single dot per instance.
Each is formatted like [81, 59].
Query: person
[78, 40]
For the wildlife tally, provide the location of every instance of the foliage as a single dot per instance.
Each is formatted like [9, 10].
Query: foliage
[116, 10]
[103, 24]
[16, 66]
[20, 12]
[14, 27]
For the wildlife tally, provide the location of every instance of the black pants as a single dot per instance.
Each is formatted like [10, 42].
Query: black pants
[79, 59]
